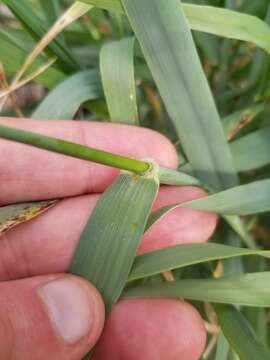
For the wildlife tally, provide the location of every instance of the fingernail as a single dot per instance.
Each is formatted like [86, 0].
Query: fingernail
[70, 308]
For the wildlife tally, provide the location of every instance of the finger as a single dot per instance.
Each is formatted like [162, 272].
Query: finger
[152, 329]
[54, 317]
[46, 244]
[28, 173]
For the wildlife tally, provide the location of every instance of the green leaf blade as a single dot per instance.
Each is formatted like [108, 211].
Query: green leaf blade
[183, 255]
[240, 335]
[65, 99]
[109, 242]
[170, 53]
[252, 151]
[248, 290]
[117, 73]
[32, 23]
[229, 24]
[252, 198]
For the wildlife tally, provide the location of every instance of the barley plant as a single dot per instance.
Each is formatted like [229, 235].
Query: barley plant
[196, 71]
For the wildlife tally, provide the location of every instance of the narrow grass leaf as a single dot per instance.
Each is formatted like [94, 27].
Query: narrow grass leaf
[12, 215]
[248, 290]
[170, 52]
[179, 256]
[252, 198]
[117, 73]
[109, 241]
[65, 99]
[240, 335]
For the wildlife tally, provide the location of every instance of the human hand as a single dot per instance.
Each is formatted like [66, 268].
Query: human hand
[45, 313]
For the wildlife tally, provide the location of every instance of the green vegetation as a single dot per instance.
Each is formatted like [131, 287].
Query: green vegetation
[197, 72]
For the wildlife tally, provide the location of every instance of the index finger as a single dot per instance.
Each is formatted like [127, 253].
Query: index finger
[28, 173]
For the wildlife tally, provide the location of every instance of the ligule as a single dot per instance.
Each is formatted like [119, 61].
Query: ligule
[108, 244]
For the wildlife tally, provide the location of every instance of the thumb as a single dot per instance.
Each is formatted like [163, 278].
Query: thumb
[49, 317]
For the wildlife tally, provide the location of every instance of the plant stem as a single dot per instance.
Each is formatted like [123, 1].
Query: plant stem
[73, 149]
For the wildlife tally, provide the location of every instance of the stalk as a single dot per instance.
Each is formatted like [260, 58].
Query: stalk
[72, 149]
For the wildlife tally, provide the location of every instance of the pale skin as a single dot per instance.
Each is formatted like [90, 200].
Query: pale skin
[47, 314]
